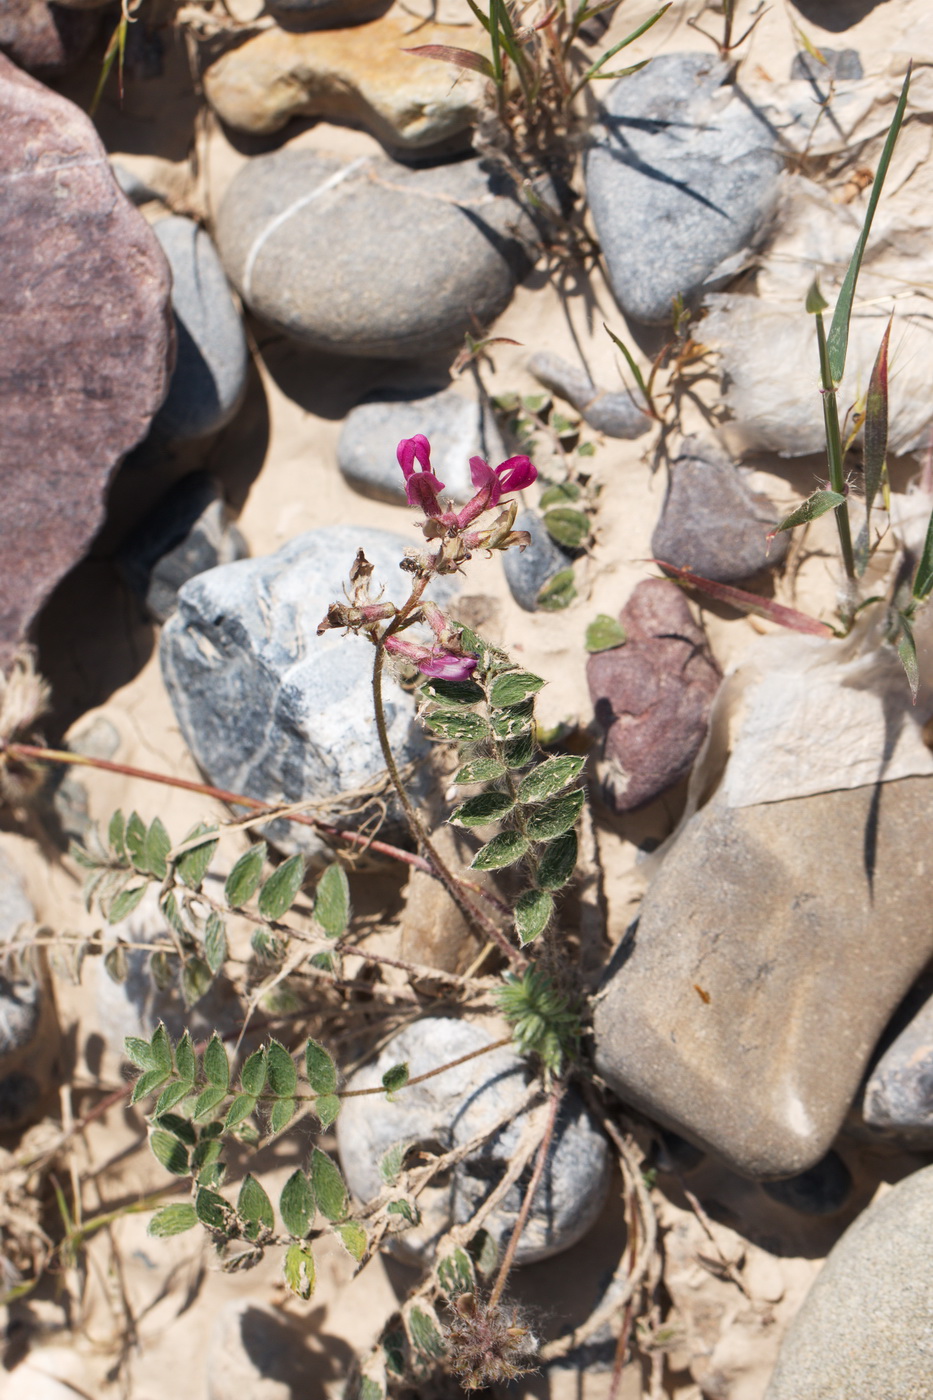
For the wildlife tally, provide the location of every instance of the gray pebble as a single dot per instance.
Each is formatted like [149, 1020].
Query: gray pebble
[711, 523]
[898, 1098]
[211, 356]
[840, 65]
[266, 705]
[615, 414]
[29, 1036]
[681, 178]
[528, 570]
[373, 258]
[864, 1331]
[455, 426]
[186, 534]
[450, 1110]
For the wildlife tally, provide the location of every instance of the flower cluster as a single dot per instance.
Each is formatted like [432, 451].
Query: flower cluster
[445, 659]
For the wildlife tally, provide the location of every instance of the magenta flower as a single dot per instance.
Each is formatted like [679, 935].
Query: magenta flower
[436, 661]
[422, 488]
[495, 482]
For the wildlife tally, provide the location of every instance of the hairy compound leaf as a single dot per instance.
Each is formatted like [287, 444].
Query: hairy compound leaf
[560, 495]
[514, 687]
[353, 1238]
[327, 1108]
[124, 904]
[424, 1331]
[196, 979]
[207, 1101]
[296, 1205]
[193, 865]
[604, 634]
[332, 901]
[283, 1111]
[115, 835]
[241, 1108]
[813, 507]
[452, 692]
[299, 1269]
[147, 1083]
[330, 1193]
[281, 889]
[253, 1073]
[486, 807]
[254, 1206]
[320, 1068]
[161, 1048]
[243, 880]
[558, 862]
[455, 1273]
[156, 849]
[532, 915]
[215, 943]
[550, 777]
[504, 849]
[212, 1210]
[216, 1064]
[396, 1078]
[185, 1060]
[461, 725]
[391, 1162]
[171, 1095]
[179, 1127]
[135, 840]
[205, 1160]
[172, 1220]
[281, 1073]
[559, 592]
[555, 817]
[480, 770]
[519, 752]
[508, 723]
[169, 1152]
[569, 528]
[139, 1052]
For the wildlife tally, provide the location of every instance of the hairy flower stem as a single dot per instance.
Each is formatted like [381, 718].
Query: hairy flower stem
[474, 916]
[36, 753]
[544, 1148]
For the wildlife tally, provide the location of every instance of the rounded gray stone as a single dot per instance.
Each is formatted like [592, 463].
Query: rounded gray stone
[898, 1098]
[456, 427]
[210, 365]
[29, 1034]
[449, 1110]
[528, 570]
[373, 258]
[268, 707]
[865, 1330]
[711, 523]
[615, 414]
[681, 177]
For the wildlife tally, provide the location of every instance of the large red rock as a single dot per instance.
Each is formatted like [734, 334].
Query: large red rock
[86, 348]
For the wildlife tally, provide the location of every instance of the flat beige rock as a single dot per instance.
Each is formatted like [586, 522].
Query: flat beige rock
[361, 75]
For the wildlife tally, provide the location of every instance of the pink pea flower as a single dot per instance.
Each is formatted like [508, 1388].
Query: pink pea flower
[495, 482]
[436, 661]
[422, 488]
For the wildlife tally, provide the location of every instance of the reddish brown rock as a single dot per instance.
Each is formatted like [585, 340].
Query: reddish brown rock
[45, 38]
[87, 347]
[652, 696]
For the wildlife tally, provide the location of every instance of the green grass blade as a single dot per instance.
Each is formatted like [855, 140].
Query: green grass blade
[639, 377]
[923, 579]
[875, 445]
[838, 341]
[115, 49]
[591, 73]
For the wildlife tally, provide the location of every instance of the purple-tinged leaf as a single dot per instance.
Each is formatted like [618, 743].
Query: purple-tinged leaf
[462, 58]
[749, 602]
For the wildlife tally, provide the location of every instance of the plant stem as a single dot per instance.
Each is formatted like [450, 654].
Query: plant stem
[474, 916]
[834, 452]
[543, 1149]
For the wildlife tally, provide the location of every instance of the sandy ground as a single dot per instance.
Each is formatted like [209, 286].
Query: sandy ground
[141, 1309]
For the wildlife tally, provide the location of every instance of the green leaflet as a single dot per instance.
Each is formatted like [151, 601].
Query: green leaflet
[504, 849]
[243, 880]
[486, 807]
[532, 915]
[554, 817]
[558, 862]
[550, 777]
